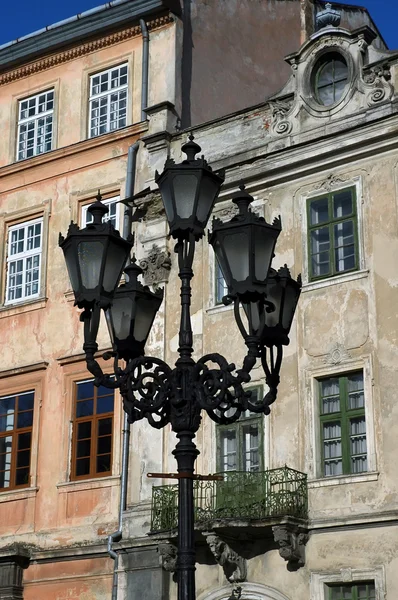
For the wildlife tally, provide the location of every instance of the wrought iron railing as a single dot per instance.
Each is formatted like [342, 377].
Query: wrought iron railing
[240, 496]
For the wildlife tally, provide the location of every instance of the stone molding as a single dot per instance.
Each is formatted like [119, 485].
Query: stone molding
[337, 355]
[234, 566]
[291, 541]
[78, 51]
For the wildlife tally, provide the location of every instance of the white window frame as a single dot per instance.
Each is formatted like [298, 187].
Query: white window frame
[98, 96]
[362, 271]
[34, 119]
[320, 581]
[114, 201]
[314, 467]
[24, 256]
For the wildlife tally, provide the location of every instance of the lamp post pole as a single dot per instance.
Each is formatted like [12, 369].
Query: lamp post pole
[264, 304]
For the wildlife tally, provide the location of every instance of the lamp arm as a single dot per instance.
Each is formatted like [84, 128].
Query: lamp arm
[91, 320]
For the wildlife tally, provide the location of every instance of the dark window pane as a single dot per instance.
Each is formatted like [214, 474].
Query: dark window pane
[5, 479]
[105, 404]
[25, 402]
[82, 466]
[7, 422]
[25, 419]
[84, 430]
[103, 463]
[22, 476]
[24, 440]
[84, 408]
[105, 426]
[23, 458]
[104, 445]
[5, 444]
[342, 204]
[85, 390]
[7, 405]
[319, 212]
[83, 448]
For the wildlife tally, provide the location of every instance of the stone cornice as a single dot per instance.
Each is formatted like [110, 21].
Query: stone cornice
[81, 50]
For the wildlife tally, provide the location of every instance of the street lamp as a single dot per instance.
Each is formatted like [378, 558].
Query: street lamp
[264, 304]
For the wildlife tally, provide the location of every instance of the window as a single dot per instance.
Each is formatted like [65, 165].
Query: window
[351, 591]
[24, 261]
[92, 431]
[108, 100]
[343, 427]
[113, 215]
[331, 77]
[220, 285]
[240, 445]
[333, 234]
[16, 420]
[35, 125]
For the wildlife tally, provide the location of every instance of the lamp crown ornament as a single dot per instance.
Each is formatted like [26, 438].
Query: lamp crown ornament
[97, 210]
[242, 199]
[191, 148]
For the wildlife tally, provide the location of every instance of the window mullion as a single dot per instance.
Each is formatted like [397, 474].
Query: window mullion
[332, 266]
[345, 429]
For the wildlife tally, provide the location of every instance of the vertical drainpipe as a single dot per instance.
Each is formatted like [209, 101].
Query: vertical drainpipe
[117, 535]
[145, 68]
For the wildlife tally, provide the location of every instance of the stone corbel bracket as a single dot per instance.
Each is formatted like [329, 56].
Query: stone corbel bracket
[376, 84]
[291, 541]
[156, 266]
[168, 556]
[281, 111]
[234, 566]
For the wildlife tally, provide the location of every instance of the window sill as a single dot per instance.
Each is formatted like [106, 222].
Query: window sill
[219, 308]
[342, 480]
[316, 285]
[10, 310]
[88, 484]
[20, 494]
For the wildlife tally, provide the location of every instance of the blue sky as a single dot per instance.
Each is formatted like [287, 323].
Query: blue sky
[20, 17]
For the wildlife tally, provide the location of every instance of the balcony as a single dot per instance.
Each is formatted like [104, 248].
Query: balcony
[247, 497]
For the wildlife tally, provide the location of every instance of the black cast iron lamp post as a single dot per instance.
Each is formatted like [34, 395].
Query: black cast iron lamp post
[177, 395]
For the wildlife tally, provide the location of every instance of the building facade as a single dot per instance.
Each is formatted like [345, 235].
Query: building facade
[308, 506]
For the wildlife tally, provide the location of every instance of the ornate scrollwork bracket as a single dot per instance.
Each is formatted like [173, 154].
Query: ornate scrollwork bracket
[234, 566]
[168, 555]
[291, 541]
[156, 266]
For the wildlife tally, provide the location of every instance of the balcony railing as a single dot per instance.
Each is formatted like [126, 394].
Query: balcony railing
[246, 496]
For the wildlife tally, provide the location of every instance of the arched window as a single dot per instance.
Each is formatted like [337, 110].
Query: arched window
[249, 591]
[330, 79]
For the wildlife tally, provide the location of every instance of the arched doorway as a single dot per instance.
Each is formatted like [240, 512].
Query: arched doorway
[250, 591]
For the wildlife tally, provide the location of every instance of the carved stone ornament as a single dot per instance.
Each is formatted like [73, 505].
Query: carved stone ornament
[156, 266]
[280, 110]
[337, 355]
[377, 85]
[330, 182]
[234, 566]
[328, 17]
[291, 543]
[236, 593]
[168, 554]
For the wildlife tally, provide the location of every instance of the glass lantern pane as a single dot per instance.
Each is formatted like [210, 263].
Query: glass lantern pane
[236, 249]
[274, 295]
[252, 310]
[165, 191]
[90, 255]
[72, 266]
[185, 187]
[264, 243]
[116, 257]
[122, 314]
[208, 191]
[145, 313]
[291, 296]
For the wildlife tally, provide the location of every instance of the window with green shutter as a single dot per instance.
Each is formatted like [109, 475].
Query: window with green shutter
[240, 445]
[332, 234]
[351, 591]
[343, 427]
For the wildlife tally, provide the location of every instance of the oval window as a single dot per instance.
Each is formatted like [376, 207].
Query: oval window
[331, 78]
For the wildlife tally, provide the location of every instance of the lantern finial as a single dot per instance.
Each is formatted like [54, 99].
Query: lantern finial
[242, 199]
[97, 209]
[191, 148]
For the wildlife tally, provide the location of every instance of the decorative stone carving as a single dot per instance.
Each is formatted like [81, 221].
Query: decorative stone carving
[337, 355]
[168, 554]
[291, 541]
[330, 182]
[376, 84]
[156, 266]
[236, 593]
[328, 17]
[280, 110]
[234, 566]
